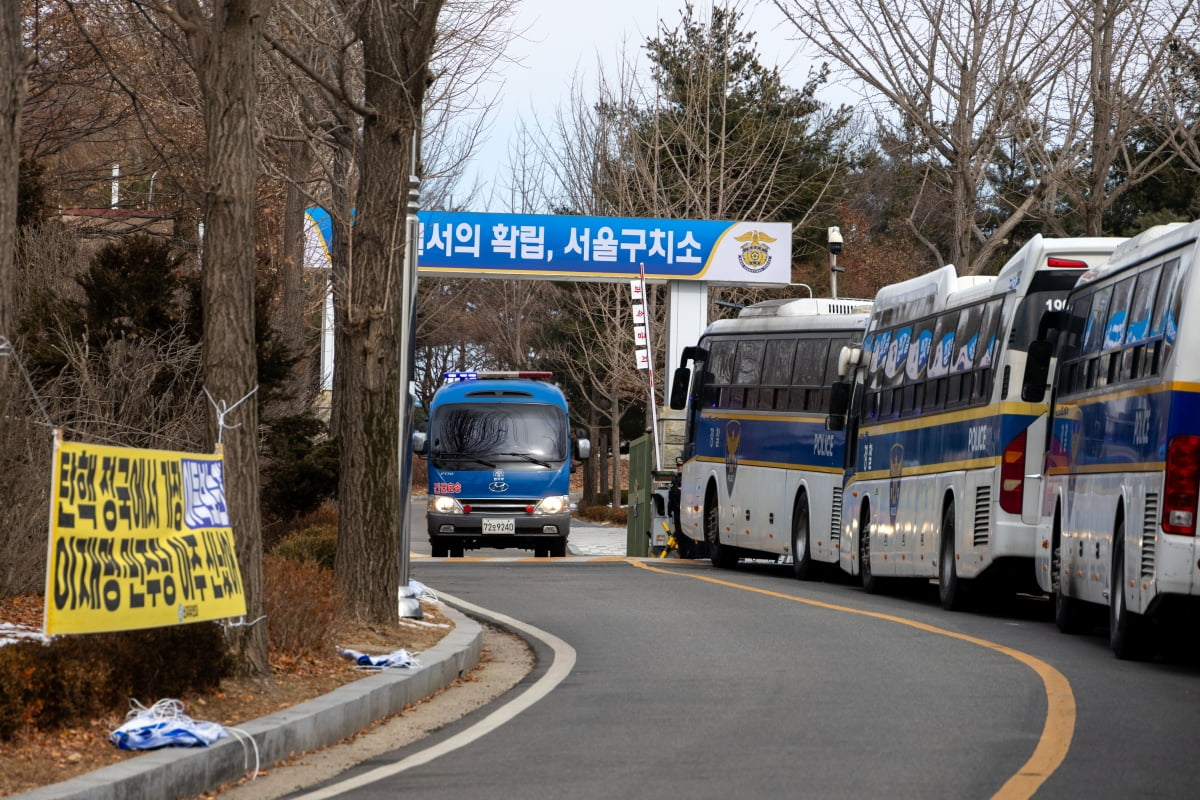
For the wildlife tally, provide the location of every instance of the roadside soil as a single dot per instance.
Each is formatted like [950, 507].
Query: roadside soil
[39, 758]
[506, 660]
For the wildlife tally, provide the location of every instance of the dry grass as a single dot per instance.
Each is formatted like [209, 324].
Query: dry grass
[39, 758]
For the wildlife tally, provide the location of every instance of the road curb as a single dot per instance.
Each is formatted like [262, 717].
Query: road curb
[326, 720]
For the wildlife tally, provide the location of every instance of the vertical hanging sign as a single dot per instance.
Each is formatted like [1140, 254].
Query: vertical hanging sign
[644, 354]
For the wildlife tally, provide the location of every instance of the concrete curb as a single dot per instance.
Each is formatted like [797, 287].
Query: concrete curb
[187, 772]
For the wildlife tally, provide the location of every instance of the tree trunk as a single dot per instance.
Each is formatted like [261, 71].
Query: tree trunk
[614, 427]
[12, 97]
[339, 270]
[397, 42]
[224, 49]
[601, 455]
[290, 319]
[590, 471]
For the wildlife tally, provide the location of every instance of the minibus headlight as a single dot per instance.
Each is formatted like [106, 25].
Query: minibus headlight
[441, 504]
[554, 504]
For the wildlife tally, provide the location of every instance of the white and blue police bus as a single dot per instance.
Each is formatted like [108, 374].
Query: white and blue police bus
[762, 475]
[1123, 467]
[945, 447]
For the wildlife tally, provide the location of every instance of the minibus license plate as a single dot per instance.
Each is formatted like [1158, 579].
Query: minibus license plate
[499, 526]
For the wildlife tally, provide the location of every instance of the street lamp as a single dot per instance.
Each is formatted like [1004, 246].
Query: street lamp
[835, 247]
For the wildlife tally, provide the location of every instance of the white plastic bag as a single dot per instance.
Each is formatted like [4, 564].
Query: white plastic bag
[163, 725]
[397, 658]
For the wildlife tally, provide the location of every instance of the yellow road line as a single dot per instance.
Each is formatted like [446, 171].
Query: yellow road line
[1060, 701]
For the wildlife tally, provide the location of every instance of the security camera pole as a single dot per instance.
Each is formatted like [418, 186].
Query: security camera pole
[835, 247]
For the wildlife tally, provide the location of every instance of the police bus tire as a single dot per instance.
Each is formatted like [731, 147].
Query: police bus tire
[1068, 612]
[802, 566]
[950, 586]
[870, 583]
[1127, 631]
[721, 555]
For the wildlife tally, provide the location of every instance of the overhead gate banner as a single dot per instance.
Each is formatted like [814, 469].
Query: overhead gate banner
[486, 245]
[138, 539]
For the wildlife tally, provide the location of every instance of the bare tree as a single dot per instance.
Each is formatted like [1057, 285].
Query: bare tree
[108, 90]
[20, 447]
[957, 77]
[13, 63]
[1177, 97]
[399, 69]
[1129, 47]
[713, 133]
[397, 43]
[223, 39]
[593, 349]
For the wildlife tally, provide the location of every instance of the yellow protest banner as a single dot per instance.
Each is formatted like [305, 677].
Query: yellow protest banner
[138, 539]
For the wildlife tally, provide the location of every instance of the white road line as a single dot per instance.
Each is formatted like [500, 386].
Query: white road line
[564, 661]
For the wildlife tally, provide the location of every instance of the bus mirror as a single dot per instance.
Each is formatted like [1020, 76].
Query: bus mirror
[839, 403]
[419, 439]
[583, 449]
[679, 388]
[848, 359]
[839, 398]
[1051, 321]
[1037, 370]
[693, 353]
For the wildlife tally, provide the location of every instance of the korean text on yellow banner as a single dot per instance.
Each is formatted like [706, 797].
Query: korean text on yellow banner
[138, 539]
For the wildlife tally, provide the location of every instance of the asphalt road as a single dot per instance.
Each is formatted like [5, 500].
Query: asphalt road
[687, 681]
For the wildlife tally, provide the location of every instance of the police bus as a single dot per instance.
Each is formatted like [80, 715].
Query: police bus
[1123, 469]
[499, 448]
[762, 475]
[945, 446]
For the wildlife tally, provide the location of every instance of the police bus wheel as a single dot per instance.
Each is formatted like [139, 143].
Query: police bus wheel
[950, 586]
[802, 566]
[721, 555]
[1068, 612]
[869, 582]
[1127, 631]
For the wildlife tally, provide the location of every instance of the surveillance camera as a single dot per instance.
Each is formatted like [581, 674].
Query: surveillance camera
[835, 240]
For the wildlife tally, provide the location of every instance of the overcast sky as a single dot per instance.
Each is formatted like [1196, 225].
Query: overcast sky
[565, 39]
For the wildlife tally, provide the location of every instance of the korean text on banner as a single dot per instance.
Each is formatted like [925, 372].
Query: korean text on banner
[138, 539]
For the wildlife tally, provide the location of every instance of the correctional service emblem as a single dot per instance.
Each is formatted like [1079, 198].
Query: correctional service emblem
[755, 255]
[733, 440]
[895, 467]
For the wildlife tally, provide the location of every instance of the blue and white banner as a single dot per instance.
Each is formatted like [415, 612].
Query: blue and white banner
[467, 244]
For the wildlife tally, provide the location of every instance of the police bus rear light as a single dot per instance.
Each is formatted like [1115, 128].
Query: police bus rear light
[1180, 485]
[1066, 263]
[1012, 475]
